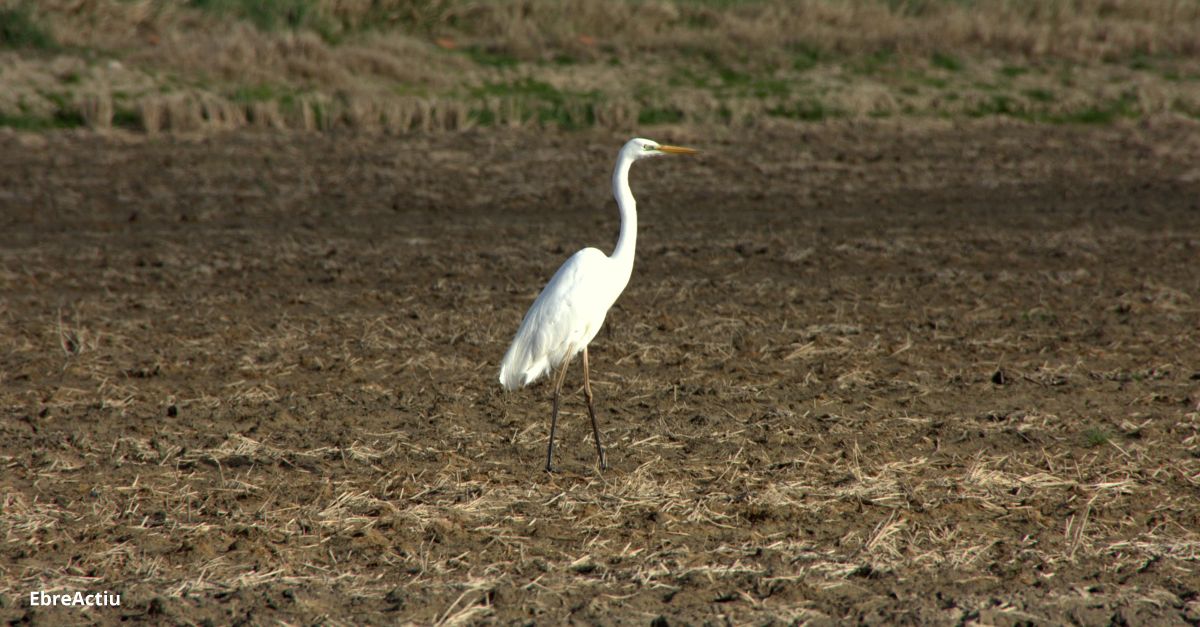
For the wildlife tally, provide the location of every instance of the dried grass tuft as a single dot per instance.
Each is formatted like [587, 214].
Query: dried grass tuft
[437, 66]
[97, 110]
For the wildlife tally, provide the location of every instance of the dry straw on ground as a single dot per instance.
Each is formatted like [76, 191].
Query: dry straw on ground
[864, 371]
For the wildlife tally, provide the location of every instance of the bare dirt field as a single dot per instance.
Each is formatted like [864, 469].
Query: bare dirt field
[921, 372]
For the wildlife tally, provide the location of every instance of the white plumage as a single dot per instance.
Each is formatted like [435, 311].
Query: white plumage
[570, 310]
[565, 317]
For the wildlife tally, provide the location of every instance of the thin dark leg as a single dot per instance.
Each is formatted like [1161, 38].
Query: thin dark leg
[587, 391]
[558, 381]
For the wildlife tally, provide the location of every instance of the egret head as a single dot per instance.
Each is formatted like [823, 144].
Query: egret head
[638, 148]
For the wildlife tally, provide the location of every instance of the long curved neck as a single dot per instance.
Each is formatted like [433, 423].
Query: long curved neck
[627, 241]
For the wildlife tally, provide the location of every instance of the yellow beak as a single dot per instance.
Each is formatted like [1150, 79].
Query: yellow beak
[677, 150]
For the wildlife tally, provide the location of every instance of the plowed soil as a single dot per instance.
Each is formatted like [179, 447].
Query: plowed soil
[922, 372]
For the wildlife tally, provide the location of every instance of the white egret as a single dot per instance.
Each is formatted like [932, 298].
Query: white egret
[571, 308]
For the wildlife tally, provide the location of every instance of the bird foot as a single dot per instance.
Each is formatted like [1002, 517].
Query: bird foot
[552, 469]
[603, 460]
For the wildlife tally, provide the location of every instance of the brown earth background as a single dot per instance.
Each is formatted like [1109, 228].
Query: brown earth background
[924, 367]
